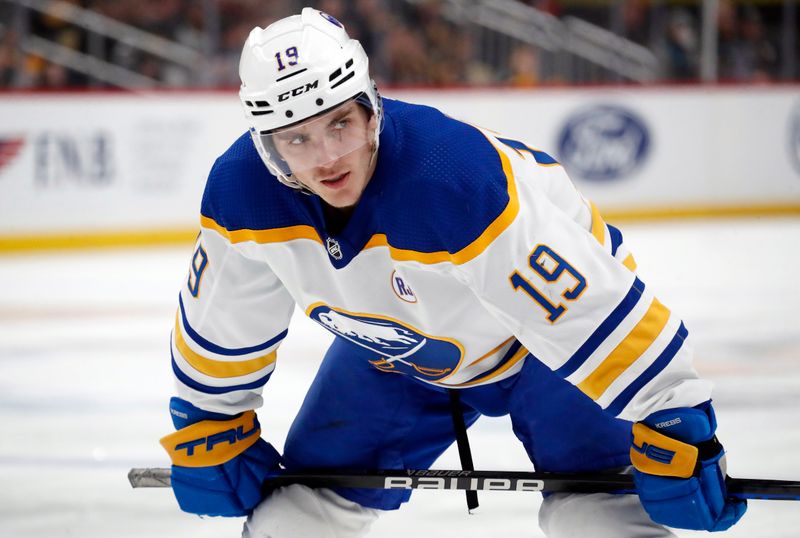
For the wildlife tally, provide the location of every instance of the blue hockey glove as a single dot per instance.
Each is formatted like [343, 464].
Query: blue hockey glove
[679, 470]
[218, 461]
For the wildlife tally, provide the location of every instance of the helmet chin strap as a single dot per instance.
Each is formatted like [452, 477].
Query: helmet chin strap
[298, 185]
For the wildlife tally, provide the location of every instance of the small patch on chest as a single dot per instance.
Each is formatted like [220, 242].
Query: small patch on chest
[402, 289]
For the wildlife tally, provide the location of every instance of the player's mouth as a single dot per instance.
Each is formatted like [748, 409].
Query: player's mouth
[336, 182]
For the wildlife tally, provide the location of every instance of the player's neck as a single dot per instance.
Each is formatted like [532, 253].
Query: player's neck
[336, 218]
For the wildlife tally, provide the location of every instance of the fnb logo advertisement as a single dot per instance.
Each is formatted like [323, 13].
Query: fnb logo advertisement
[73, 158]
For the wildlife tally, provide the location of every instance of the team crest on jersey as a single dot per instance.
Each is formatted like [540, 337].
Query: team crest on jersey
[400, 347]
[334, 248]
[402, 289]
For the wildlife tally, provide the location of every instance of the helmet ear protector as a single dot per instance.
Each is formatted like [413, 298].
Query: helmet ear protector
[295, 71]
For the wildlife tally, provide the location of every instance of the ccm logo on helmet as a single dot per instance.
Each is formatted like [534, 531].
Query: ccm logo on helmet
[298, 91]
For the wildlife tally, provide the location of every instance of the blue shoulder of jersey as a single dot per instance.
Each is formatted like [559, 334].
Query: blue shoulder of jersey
[241, 193]
[446, 187]
[440, 188]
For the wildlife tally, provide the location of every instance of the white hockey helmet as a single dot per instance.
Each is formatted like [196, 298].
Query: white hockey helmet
[298, 68]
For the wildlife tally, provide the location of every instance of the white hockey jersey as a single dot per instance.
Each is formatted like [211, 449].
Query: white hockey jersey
[467, 254]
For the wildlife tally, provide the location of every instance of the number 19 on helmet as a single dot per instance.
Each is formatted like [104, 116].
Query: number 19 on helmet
[299, 76]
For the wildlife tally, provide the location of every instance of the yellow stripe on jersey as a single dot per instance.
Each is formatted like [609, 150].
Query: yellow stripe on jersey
[502, 221]
[627, 352]
[599, 233]
[399, 254]
[598, 225]
[219, 369]
[471, 251]
[275, 235]
[515, 358]
[490, 353]
[630, 263]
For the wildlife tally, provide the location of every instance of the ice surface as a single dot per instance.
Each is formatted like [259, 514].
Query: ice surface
[85, 376]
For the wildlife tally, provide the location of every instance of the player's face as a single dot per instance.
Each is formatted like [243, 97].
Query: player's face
[332, 154]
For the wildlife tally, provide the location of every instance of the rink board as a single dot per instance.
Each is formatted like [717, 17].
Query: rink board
[99, 168]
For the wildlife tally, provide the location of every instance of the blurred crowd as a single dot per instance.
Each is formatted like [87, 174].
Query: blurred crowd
[748, 40]
[408, 42]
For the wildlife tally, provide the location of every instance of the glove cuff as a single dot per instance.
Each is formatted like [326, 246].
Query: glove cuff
[212, 442]
[185, 414]
[691, 425]
[657, 454]
[673, 442]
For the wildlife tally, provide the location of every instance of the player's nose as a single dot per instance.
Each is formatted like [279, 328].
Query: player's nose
[327, 154]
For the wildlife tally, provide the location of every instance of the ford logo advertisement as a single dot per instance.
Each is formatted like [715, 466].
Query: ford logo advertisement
[603, 143]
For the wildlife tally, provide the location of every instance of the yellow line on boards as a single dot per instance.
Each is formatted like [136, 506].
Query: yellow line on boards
[95, 240]
[84, 240]
[691, 212]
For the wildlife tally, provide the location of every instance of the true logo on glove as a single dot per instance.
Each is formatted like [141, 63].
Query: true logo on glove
[230, 436]
[657, 454]
[212, 442]
[660, 455]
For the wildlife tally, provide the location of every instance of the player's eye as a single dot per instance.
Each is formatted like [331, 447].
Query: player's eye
[341, 123]
[297, 140]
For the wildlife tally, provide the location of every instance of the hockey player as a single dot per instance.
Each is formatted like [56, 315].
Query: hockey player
[442, 257]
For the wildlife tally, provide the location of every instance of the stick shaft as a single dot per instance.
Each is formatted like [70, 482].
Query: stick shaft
[744, 488]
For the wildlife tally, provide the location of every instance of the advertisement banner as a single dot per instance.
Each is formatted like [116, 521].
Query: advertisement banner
[92, 162]
[635, 150]
[85, 164]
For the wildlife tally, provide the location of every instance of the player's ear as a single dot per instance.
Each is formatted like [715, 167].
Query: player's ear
[372, 124]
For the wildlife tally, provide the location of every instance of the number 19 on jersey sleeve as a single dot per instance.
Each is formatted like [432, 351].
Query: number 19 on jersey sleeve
[549, 266]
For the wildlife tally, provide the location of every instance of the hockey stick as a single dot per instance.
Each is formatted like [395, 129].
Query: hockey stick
[743, 488]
